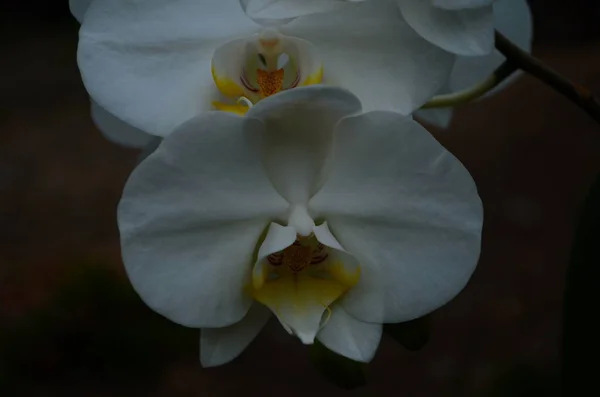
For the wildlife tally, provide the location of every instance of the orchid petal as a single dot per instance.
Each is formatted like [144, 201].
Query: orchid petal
[219, 346]
[117, 131]
[407, 210]
[461, 4]
[78, 8]
[468, 31]
[297, 127]
[349, 337]
[148, 62]
[271, 12]
[191, 216]
[513, 19]
[370, 50]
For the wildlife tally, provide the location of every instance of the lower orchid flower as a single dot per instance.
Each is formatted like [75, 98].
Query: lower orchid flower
[333, 220]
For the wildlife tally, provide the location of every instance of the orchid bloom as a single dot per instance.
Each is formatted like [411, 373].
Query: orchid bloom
[466, 28]
[333, 220]
[153, 64]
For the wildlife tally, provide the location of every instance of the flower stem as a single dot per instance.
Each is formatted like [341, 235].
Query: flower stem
[517, 59]
[474, 92]
[578, 94]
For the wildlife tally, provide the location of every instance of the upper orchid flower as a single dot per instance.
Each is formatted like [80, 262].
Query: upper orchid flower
[153, 64]
[512, 18]
[335, 221]
[463, 27]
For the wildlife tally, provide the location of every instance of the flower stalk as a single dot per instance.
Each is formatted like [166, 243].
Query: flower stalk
[578, 94]
[517, 59]
[470, 94]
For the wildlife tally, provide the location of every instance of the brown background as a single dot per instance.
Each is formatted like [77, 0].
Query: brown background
[71, 326]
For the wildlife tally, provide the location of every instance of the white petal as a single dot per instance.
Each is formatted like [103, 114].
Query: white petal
[468, 31]
[370, 50]
[191, 218]
[298, 125]
[219, 346]
[439, 117]
[460, 4]
[407, 210]
[118, 131]
[513, 19]
[350, 337]
[277, 239]
[272, 11]
[148, 62]
[78, 8]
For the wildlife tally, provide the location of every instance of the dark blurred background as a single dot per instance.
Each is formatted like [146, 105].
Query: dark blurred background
[71, 325]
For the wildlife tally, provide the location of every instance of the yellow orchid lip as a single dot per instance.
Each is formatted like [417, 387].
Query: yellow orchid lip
[261, 66]
[300, 283]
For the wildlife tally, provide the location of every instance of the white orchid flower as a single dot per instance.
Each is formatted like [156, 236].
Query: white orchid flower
[513, 19]
[154, 64]
[268, 12]
[334, 221]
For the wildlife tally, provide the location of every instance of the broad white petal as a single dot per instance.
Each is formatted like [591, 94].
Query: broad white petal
[78, 8]
[191, 217]
[349, 337]
[370, 50]
[118, 131]
[219, 346]
[460, 4]
[468, 31]
[513, 19]
[407, 210]
[439, 117]
[297, 127]
[271, 12]
[148, 62]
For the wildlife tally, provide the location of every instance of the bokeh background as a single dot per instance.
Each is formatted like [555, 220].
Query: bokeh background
[70, 325]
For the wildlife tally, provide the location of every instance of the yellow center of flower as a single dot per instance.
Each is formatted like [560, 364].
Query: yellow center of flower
[300, 282]
[267, 66]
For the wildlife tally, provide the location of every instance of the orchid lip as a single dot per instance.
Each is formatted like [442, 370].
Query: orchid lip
[263, 65]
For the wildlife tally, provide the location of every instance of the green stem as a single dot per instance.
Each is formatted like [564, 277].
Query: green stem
[472, 93]
[517, 59]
